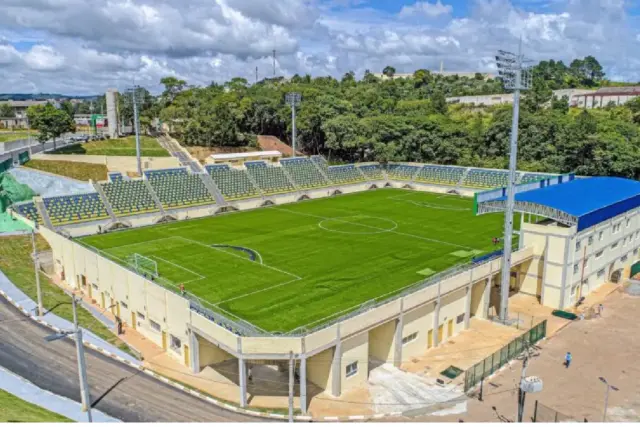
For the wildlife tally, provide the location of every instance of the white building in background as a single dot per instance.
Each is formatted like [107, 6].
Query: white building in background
[112, 112]
[603, 96]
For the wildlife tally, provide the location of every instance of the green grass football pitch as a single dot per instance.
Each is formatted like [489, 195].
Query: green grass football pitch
[295, 265]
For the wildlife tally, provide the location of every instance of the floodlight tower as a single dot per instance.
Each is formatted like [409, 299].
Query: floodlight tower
[136, 125]
[516, 76]
[293, 99]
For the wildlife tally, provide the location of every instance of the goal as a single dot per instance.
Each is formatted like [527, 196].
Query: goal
[143, 264]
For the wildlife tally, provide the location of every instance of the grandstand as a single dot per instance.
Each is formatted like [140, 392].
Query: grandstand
[401, 171]
[528, 177]
[304, 173]
[115, 176]
[76, 208]
[28, 210]
[129, 197]
[373, 171]
[443, 175]
[271, 179]
[486, 178]
[176, 188]
[234, 184]
[346, 174]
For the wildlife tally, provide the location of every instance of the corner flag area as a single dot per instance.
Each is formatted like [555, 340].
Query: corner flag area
[298, 266]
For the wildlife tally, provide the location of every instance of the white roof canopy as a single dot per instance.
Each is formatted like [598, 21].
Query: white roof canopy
[249, 155]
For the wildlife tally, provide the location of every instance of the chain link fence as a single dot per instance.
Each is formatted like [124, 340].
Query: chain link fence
[497, 360]
[544, 414]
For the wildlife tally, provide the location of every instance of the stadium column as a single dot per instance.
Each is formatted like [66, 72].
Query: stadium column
[467, 307]
[487, 296]
[303, 379]
[545, 254]
[436, 320]
[336, 369]
[195, 352]
[520, 239]
[242, 375]
[397, 353]
[563, 280]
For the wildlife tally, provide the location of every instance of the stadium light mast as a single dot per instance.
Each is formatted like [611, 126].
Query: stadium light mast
[516, 76]
[136, 125]
[293, 99]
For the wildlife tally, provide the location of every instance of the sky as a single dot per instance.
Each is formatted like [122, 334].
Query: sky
[82, 47]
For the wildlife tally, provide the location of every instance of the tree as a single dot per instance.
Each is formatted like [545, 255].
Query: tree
[439, 102]
[389, 71]
[588, 70]
[172, 87]
[68, 108]
[560, 104]
[6, 111]
[422, 78]
[50, 122]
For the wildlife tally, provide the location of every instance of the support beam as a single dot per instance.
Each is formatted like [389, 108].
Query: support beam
[303, 378]
[467, 307]
[195, 352]
[336, 381]
[487, 296]
[436, 321]
[397, 353]
[563, 282]
[242, 375]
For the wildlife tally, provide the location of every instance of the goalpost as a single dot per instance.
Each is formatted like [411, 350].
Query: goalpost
[143, 264]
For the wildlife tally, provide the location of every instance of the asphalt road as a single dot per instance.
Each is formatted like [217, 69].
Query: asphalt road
[116, 389]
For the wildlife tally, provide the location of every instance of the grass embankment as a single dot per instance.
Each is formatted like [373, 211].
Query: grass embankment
[117, 147]
[15, 410]
[75, 170]
[6, 136]
[16, 263]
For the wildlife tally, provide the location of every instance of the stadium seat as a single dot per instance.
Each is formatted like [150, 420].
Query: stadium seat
[165, 172]
[373, 172]
[29, 211]
[305, 174]
[75, 208]
[347, 174]
[486, 178]
[534, 177]
[129, 197]
[401, 171]
[234, 184]
[271, 179]
[444, 175]
[179, 189]
[115, 176]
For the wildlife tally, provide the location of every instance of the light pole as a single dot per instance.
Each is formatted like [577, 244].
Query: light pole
[136, 125]
[606, 397]
[293, 99]
[85, 396]
[516, 76]
[36, 263]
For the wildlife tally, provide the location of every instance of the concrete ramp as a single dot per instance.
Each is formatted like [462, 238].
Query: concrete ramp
[393, 390]
[49, 185]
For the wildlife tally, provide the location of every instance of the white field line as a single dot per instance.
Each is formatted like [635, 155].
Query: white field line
[140, 243]
[375, 228]
[237, 256]
[182, 268]
[257, 292]
[427, 204]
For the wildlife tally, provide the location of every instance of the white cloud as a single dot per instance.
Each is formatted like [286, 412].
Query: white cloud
[424, 8]
[44, 58]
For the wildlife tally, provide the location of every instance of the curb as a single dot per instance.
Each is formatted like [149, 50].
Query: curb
[202, 396]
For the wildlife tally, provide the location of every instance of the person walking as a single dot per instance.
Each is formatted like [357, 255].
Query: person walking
[567, 359]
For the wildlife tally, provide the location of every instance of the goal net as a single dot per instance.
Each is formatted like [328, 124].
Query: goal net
[143, 264]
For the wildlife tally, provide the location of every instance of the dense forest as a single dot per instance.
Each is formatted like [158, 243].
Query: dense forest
[375, 119]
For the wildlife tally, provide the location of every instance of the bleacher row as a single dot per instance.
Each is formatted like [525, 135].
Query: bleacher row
[177, 188]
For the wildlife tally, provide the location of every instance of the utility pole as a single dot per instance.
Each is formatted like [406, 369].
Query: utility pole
[36, 263]
[517, 77]
[256, 75]
[291, 386]
[85, 396]
[606, 397]
[293, 99]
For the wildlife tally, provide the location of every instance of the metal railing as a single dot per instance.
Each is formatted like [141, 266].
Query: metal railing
[497, 360]
[545, 414]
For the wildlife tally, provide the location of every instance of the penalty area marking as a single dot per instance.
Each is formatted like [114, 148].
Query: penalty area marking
[182, 268]
[429, 205]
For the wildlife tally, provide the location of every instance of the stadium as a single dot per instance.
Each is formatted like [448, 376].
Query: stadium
[338, 267]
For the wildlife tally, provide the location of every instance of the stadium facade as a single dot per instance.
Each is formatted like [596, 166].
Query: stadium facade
[600, 235]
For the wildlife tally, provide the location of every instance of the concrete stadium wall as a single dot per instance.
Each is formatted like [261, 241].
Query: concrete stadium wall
[121, 164]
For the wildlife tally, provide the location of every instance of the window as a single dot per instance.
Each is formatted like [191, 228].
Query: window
[409, 338]
[576, 268]
[586, 262]
[124, 304]
[140, 316]
[155, 326]
[635, 251]
[578, 244]
[600, 273]
[615, 245]
[599, 254]
[616, 228]
[624, 258]
[352, 369]
[628, 222]
[600, 236]
[175, 344]
[460, 318]
[590, 240]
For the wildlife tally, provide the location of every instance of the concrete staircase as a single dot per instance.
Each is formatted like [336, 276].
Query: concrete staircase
[42, 211]
[104, 199]
[213, 189]
[155, 196]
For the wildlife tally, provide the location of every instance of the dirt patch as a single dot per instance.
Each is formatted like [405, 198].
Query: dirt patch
[271, 143]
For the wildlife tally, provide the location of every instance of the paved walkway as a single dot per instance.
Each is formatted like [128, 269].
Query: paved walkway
[23, 389]
[28, 304]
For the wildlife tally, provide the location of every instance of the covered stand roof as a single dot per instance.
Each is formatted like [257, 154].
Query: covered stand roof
[581, 202]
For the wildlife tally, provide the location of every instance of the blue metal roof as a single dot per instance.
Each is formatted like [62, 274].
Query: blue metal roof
[590, 200]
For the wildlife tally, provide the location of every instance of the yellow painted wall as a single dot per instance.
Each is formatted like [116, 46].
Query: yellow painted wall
[210, 354]
[382, 341]
[355, 349]
[319, 370]
[419, 320]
